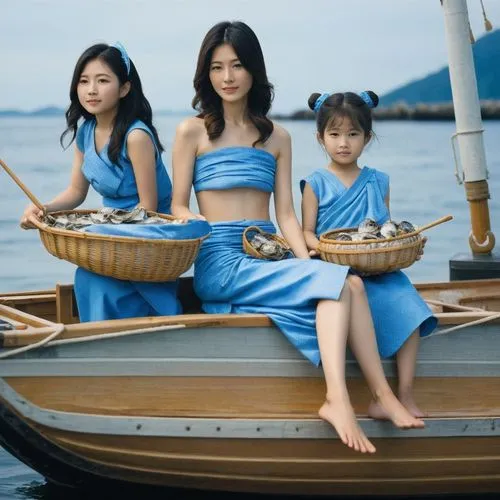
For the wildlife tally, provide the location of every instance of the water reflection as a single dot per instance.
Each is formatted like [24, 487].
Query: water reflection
[44, 491]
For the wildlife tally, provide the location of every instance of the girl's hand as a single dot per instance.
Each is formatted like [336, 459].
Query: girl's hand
[421, 251]
[313, 253]
[30, 211]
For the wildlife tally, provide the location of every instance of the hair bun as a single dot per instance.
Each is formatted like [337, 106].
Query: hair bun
[373, 97]
[311, 102]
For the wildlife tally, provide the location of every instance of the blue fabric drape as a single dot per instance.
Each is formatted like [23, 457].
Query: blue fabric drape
[228, 280]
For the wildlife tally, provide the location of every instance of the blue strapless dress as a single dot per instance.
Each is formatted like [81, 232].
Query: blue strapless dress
[227, 280]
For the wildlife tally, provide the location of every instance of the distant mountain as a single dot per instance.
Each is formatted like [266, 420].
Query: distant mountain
[436, 88]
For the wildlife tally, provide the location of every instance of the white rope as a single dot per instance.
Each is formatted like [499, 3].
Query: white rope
[49, 340]
[115, 334]
[491, 317]
[59, 328]
[457, 307]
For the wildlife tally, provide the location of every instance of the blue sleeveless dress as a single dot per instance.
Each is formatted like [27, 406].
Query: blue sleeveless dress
[228, 280]
[397, 308]
[101, 297]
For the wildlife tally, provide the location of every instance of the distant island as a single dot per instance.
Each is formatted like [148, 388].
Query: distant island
[47, 111]
[428, 98]
[55, 111]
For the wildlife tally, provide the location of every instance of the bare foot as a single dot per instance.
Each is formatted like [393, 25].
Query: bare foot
[409, 403]
[395, 411]
[341, 416]
[376, 411]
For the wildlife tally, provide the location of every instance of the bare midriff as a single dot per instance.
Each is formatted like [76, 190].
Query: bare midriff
[234, 204]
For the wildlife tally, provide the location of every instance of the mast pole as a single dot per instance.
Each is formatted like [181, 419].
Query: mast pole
[468, 123]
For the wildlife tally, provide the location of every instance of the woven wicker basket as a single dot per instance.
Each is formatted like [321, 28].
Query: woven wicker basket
[370, 256]
[124, 258]
[250, 250]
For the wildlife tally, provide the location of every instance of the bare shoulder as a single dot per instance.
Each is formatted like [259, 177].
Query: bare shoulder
[139, 137]
[280, 135]
[191, 128]
[280, 139]
[280, 132]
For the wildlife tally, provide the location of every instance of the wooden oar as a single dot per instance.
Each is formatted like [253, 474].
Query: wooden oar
[18, 181]
[449, 305]
[446, 218]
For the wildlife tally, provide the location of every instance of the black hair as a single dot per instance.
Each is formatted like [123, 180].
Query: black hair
[209, 104]
[134, 106]
[344, 105]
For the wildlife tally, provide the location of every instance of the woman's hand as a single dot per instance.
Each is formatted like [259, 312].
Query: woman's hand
[187, 217]
[30, 212]
[313, 253]
[197, 217]
[421, 250]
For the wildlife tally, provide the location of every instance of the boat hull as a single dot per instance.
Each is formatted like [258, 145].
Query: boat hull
[225, 403]
[291, 466]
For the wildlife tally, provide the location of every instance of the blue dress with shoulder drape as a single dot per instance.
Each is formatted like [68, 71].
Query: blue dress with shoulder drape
[101, 297]
[397, 308]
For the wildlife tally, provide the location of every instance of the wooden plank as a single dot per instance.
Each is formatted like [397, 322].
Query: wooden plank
[18, 300]
[248, 397]
[460, 318]
[303, 467]
[103, 366]
[22, 317]
[488, 302]
[464, 286]
[30, 294]
[378, 466]
[66, 313]
[16, 339]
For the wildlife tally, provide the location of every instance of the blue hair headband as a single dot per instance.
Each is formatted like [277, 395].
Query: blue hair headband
[368, 100]
[125, 57]
[320, 100]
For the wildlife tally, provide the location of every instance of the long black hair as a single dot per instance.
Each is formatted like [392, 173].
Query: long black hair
[345, 105]
[134, 106]
[209, 104]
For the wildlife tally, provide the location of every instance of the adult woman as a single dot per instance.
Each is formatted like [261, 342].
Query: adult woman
[236, 158]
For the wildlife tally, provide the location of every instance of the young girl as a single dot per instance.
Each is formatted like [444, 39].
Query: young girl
[342, 195]
[235, 157]
[118, 152]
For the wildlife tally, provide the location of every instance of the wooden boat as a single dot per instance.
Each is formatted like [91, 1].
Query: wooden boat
[224, 402]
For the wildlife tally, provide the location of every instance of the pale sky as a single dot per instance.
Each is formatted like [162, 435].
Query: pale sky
[314, 45]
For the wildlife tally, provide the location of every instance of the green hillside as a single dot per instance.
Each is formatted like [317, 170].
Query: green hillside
[435, 88]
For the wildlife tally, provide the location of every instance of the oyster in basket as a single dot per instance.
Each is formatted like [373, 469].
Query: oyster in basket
[405, 227]
[343, 237]
[268, 247]
[389, 229]
[363, 236]
[137, 214]
[368, 226]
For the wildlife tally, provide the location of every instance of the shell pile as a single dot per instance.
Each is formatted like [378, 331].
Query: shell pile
[370, 230]
[268, 247]
[106, 215]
